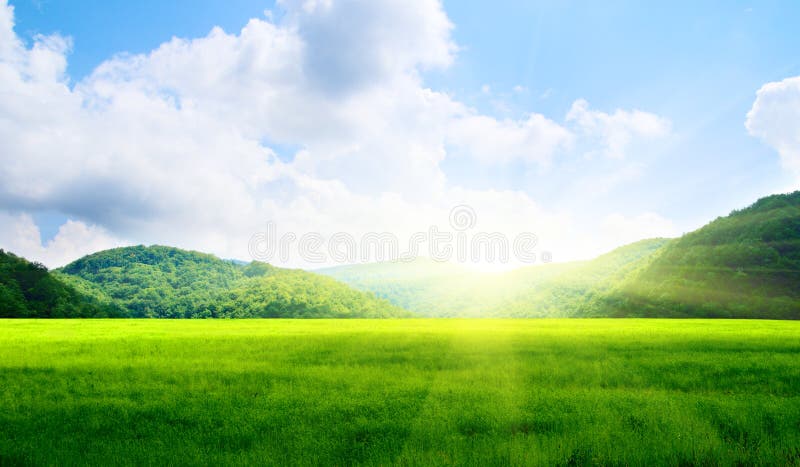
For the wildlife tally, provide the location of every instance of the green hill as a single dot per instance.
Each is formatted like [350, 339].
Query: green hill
[573, 289]
[424, 286]
[165, 282]
[285, 293]
[745, 265]
[437, 289]
[440, 289]
[155, 281]
[29, 290]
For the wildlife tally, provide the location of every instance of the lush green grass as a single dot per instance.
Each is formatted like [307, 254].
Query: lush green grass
[400, 392]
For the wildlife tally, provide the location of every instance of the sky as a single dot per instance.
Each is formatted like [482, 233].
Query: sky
[197, 124]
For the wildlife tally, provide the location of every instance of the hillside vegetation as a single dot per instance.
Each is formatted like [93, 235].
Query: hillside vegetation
[440, 289]
[29, 290]
[745, 265]
[164, 282]
[424, 286]
[576, 289]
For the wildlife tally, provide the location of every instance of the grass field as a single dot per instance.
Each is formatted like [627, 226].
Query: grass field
[409, 392]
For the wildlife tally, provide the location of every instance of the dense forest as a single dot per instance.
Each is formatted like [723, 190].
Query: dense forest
[29, 290]
[745, 265]
[164, 282]
[574, 289]
[445, 290]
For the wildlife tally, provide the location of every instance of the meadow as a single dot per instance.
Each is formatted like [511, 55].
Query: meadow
[407, 392]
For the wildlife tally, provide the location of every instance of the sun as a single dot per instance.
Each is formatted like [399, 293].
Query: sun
[489, 267]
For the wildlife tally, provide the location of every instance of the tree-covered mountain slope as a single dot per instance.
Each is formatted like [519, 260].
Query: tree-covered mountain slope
[29, 290]
[424, 286]
[155, 281]
[287, 293]
[746, 264]
[573, 289]
[159, 281]
[440, 289]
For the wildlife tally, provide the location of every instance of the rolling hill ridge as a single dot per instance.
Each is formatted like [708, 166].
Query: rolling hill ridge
[165, 282]
[29, 290]
[744, 265]
[446, 290]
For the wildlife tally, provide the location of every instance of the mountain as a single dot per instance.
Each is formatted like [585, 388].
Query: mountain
[287, 293]
[29, 290]
[437, 289]
[155, 281]
[573, 289]
[745, 265]
[424, 286]
[165, 282]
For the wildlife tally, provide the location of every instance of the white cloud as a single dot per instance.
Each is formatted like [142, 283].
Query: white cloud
[9, 44]
[775, 119]
[617, 131]
[20, 235]
[175, 146]
[534, 139]
[355, 43]
[617, 229]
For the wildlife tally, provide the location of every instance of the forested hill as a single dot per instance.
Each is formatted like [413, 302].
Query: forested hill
[165, 282]
[438, 289]
[424, 286]
[29, 290]
[156, 281]
[744, 265]
[576, 289]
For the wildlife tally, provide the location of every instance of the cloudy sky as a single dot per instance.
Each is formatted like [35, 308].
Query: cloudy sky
[194, 124]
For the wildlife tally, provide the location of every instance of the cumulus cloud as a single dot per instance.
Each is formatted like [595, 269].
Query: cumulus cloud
[617, 131]
[20, 235]
[775, 119]
[353, 43]
[178, 145]
[534, 139]
[8, 40]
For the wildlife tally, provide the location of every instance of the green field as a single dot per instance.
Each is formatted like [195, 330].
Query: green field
[409, 392]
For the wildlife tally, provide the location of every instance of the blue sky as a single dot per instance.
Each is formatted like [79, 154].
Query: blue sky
[695, 65]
